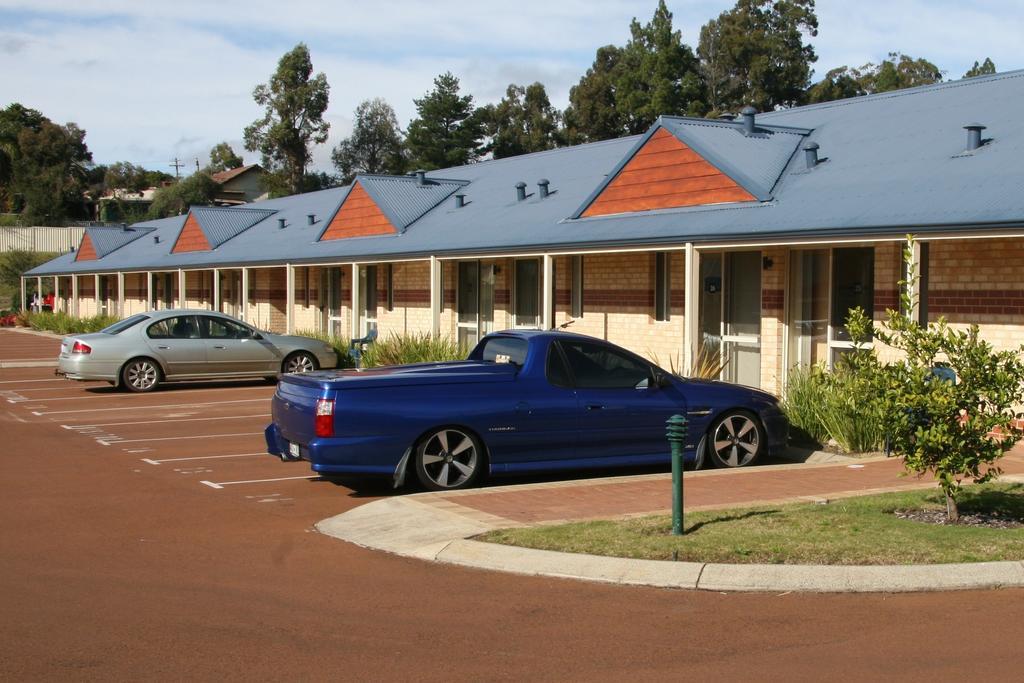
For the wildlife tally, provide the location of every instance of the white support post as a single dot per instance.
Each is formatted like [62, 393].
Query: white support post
[691, 308]
[914, 285]
[245, 295]
[436, 294]
[75, 308]
[289, 279]
[180, 299]
[96, 293]
[547, 272]
[120, 294]
[149, 290]
[355, 301]
[24, 294]
[216, 290]
[39, 287]
[56, 293]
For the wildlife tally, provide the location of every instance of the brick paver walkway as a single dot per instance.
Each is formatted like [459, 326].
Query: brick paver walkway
[647, 494]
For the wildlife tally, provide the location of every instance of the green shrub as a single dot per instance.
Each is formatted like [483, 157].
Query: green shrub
[64, 324]
[411, 348]
[340, 345]
[805, 393]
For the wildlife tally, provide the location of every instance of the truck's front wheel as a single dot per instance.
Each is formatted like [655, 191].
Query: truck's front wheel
[449, 458]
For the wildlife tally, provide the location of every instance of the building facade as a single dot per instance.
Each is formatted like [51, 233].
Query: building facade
[748, 238]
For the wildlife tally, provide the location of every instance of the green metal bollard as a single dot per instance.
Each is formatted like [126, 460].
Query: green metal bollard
[676, 433]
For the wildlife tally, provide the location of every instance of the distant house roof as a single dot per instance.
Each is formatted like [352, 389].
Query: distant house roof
[887, 164]
[222, 177]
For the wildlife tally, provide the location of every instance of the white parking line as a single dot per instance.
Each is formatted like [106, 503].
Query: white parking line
[155, 422]
[107, 442]
[18, 381]
[148, 407]
[200, 457]
[135, 397]
[222, 484]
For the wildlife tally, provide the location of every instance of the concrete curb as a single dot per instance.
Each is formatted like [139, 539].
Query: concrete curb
[412, 527]
[28, 364]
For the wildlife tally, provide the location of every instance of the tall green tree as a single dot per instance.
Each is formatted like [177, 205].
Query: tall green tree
[124, 175]
[657, 74]
[896, 72]
[755, 54]
[592, 114]
[294, 102]
[13, 120]
[522, 122]
[375, 146]
[447, 131]
[223, 158]
[838, 84]
[50, 173]
[199, 189]
[986, 68]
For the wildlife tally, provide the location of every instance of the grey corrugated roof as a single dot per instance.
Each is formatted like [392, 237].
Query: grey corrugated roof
[754, 161]
[220, 224]
[108, 240]
[403, 199]
[895, 165]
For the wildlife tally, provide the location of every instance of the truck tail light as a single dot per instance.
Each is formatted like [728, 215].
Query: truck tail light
[325, 417]
[79, 347]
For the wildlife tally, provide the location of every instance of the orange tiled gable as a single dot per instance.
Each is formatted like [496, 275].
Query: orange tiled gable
[665, 174]
[86, 250]
[191, 237]
[358, 216]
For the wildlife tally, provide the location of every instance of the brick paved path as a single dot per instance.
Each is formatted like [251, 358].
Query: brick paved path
[647, 494]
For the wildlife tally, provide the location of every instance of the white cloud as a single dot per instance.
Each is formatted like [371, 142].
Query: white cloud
[152, 80]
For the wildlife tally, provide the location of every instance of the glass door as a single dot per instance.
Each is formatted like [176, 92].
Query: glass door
[741, 324]
[475, 302]
[331, 320]
[808, 307]
[368, 299]
[526, 311]
[231, 292]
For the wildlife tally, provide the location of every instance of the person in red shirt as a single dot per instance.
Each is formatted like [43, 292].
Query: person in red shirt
[48, 302]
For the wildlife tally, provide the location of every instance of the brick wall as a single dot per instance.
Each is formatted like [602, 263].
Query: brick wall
[773, 297]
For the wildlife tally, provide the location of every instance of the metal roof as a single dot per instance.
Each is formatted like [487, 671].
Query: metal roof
[107, 240]
[403, 199]
[895, 164]
[220, 224]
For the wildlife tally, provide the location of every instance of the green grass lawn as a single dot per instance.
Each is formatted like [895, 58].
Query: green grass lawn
[844, 532]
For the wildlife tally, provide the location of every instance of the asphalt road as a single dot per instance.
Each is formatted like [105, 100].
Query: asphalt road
[120, 559]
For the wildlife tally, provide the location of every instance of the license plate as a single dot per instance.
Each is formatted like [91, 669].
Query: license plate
[293, 450]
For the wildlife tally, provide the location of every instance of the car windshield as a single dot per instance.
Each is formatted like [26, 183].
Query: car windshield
[503, 350]
[122, 325]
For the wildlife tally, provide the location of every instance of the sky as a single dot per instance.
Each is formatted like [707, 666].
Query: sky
[151, 80]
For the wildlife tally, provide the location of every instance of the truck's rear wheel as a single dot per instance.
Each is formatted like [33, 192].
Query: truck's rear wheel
[449, 458]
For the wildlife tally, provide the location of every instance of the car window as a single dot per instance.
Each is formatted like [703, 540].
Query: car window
[222, 328]
[596, 366]
[556, 371]
[504, 350]
[122, 325]
[180, 327]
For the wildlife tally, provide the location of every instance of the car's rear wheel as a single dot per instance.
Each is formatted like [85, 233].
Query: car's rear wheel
[141, 375]
[736, 439]
[449, 458]
[299, 362]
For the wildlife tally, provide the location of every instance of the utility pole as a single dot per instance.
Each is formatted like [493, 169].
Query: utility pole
[177, 164]
[197, 164]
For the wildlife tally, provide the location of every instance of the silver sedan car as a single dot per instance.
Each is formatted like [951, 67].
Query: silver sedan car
[144, 350]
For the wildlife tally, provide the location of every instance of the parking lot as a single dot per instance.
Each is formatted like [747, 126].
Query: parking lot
[150, 536]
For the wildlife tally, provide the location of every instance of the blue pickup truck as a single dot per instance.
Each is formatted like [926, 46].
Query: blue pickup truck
[524, 401]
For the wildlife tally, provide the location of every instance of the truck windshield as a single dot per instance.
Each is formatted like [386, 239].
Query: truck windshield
[503, 350]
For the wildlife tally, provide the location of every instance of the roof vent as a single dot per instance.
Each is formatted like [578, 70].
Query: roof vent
[543, 185]
[520, 191]
[421, 177]
[811, 154]
[156, 239]
[974, 136]
[460, 201]
[124, 227]
[311, 218]
[747, 115]
[726, 116]
[281, 223]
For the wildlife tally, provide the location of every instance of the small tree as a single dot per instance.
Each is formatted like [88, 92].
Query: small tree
[955, 429]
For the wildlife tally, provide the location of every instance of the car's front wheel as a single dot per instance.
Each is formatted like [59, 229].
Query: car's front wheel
[140, 375]
[736, 439]
[449, 458]
[299, 362]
